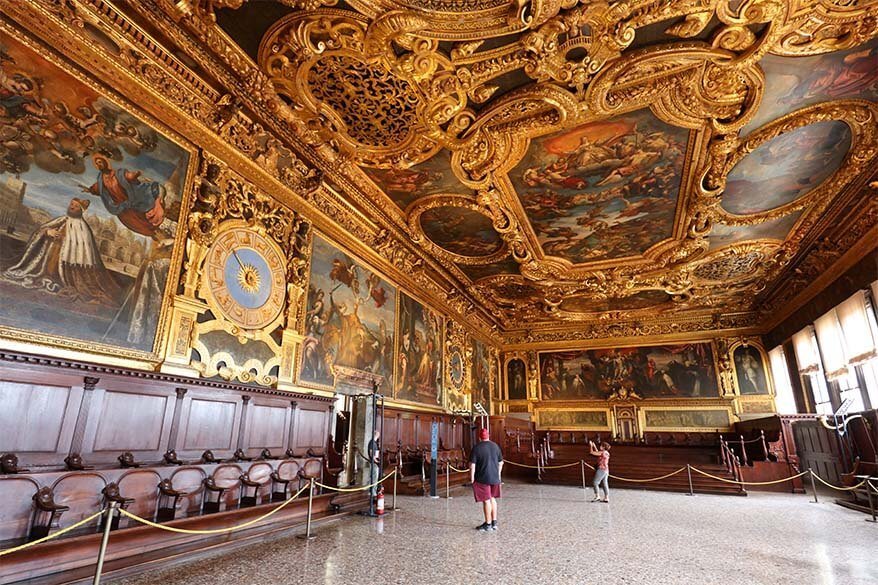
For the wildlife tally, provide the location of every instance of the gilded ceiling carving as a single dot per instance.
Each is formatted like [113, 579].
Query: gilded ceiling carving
[554, 162]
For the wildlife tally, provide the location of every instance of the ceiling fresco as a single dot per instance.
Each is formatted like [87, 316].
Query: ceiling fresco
[565, 163]
[603, 190]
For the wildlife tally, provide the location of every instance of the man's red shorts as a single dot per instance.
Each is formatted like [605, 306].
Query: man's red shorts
[484, 492]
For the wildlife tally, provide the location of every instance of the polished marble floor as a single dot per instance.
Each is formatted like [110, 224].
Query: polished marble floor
[553, 535]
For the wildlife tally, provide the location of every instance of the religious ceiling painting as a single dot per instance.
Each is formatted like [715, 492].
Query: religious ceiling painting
[603, 190]
[405, 186]
[481, 376]
[91, 197]
[687, 419]
[479, 271]
[667, 371]
[786, 167]
[792, 83]
[516, 379]
[419, 353]
[572, 419]
[461, 231]
[350, 318]
[750, 370]
[722, 235]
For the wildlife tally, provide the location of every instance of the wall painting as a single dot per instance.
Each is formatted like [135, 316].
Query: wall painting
[750, 370]
[671, 419]
[481, 374]
[419, 355]
[568, 419]
[665, 371]
[349, 319]
[516, 379]
[90, 199]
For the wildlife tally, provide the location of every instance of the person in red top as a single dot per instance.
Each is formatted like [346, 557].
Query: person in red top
[602, 472]
[485, 467]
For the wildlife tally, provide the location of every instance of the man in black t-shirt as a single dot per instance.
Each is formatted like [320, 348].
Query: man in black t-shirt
[374, 452]
[485, 466]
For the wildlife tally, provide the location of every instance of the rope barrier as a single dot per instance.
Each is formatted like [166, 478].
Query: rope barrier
[631, 479]
[696, 470]
[872, 485]
[541, 466]
[453, 468]
[51, 536]
[835, 487]
[356, 489]
[216, 530]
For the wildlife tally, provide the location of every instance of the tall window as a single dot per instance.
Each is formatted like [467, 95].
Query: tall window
[784, 401]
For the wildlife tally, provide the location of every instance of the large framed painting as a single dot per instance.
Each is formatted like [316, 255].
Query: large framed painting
[481, 374]
[516, 379]
[90, 200]
[419, 355]
[750, 370]
[349, 320]
[690, 419]
[663, 371]
[571, 419]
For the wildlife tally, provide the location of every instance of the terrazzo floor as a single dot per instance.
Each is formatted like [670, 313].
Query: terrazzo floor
[554, 535]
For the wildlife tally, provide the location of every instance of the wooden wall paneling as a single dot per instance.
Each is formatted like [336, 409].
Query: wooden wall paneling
[38, 416]
[209, 421]
[124, 417]
[268, 424]
[81, 491]
[17, 508]
[391, 430]
[311, 429]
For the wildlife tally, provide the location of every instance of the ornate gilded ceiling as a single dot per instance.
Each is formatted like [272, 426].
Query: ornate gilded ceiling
[588, 166]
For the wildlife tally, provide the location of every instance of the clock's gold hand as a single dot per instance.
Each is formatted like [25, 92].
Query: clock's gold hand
[241, 264]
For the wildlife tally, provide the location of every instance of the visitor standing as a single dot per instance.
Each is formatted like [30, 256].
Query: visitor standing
[602, 472]
[485, 467]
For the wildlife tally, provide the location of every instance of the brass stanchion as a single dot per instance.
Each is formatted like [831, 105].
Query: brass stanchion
[447, 481]
[869, 496]
[582, 469]
[308, 535]
[813, 486]
[108, 522]
[395, 475]
[689, 473]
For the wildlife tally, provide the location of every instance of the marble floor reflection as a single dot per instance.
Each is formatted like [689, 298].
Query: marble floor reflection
[554, 535]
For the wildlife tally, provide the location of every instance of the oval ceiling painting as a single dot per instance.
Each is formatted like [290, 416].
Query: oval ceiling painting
[640, 300]
[461, 231]
[786, 167]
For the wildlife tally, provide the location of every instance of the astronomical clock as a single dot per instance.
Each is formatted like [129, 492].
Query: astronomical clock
[244, 273]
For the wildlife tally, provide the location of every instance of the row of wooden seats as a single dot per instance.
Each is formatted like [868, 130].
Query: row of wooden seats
[158, 493]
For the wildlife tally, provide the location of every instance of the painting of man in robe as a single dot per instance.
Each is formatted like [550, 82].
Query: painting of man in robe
[419, 357]
[516, 379]
[750, 370]
[792, 83]
[786, 167]
[669, 419]
[349, 320]
[604, 189]
[90, 199]
[668, 371]
[481, 374]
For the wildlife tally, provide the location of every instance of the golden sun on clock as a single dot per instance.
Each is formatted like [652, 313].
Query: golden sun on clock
[246, 277]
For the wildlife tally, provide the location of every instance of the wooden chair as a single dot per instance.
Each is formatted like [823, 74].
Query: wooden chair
[255, 478]
[282, 477]
[47, 514]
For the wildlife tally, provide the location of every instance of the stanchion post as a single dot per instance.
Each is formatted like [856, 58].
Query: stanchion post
[689, 474]
[395, 474]
[447, 481]
[582, 469]
[813, 485]
[869, 496]
[108, 523]
[308, 535]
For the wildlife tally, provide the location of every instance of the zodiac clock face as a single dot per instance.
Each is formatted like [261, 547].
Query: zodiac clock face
[246, 278]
